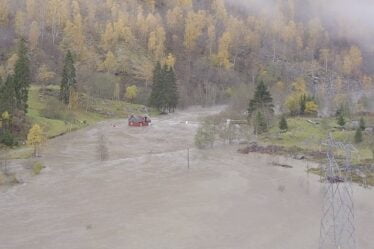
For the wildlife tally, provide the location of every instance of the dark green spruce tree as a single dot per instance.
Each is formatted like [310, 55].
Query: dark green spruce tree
[262, 106]
[164, 94]
[22, 77]
[156, 94]
[171, 89]
[68, 82]
[262, 100]
[340, 119]
[260, 124]
[8, 96]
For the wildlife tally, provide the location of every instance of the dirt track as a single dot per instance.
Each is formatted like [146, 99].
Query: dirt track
[144, 197]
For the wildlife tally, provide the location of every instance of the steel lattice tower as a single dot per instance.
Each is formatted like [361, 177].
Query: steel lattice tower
[337, 222]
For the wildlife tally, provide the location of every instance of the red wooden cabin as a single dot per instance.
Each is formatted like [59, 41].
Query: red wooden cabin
[139, 121]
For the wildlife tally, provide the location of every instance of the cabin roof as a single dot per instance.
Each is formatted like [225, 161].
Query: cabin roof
[136, 119]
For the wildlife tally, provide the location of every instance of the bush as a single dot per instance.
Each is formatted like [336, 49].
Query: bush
[358, 136]
[205, 136]
[8, 179]
[7, 138]
[20, 125]
[341, 120]
[362, 124]
[283, 126]
[37, 168]
[371, 146]
[302, 104]
[2, 178]
[311, 107]
[293, 103]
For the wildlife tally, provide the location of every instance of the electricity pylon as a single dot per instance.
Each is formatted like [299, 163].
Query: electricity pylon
[337, 222]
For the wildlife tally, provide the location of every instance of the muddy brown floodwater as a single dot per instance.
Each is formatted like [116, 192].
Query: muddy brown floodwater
[142, 196]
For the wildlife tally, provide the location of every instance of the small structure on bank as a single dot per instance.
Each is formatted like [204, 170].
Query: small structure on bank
[139, 121]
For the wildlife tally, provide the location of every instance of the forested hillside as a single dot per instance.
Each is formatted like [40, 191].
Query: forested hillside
[219, 49]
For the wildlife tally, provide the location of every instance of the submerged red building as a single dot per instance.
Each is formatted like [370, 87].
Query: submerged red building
[139, 121]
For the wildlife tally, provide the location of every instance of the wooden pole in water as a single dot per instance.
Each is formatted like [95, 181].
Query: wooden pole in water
[188, 158]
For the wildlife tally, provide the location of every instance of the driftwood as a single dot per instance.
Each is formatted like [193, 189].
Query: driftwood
[254, 148]
[312, 122]
[282, 165]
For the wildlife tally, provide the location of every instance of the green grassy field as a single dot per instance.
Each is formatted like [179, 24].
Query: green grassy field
[309, 136]
[306, 137]
[97, 110]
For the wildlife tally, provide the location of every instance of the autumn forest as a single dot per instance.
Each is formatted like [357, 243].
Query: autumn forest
[218, 50]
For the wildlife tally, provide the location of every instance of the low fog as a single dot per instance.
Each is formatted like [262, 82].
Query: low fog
[355, 18]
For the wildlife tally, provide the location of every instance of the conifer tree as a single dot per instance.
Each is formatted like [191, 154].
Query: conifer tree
[262, 105]
[8, 96]
[260, 123]
[68, 82]
[171, 90]
[341, 120]
[163, 97]
[164, 94]
[262, 100]
[22, 77]
[155, 98]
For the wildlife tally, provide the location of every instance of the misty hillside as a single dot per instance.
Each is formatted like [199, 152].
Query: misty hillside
[218, 48]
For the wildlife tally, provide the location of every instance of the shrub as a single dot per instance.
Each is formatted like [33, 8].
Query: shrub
[37, 168]
[20, 125]
[358, 136]
[302, 104]
[283, 126]
[35, 138]
[205, 136]
[344, 109]
[8, 179]
[311, 107]
[131, 93]
[7, 138]
[2, 177]
[341, 120]
[293, 104]
[362, 124]
[371, 146]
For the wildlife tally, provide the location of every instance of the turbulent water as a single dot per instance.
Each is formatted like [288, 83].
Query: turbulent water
[142, 196]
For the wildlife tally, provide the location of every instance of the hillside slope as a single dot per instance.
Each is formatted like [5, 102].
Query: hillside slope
[214, 45]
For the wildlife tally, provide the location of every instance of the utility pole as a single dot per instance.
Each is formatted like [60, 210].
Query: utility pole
[188, 157]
